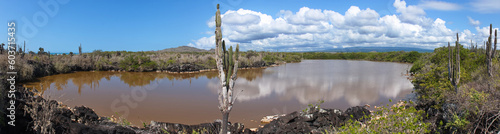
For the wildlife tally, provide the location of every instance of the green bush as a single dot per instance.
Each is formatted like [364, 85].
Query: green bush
[396, 56]
[269, 59]
[60, 67]
[137, 63]
[396, 119]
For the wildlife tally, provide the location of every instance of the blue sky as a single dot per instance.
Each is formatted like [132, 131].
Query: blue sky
[291, 25]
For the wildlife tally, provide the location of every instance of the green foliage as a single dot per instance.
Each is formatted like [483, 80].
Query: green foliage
[210, 63]
[411, 57]
[61, 67]
[292, 58]
[269, 59]
[170, 62]
[137, 63]
[396, 56]
[41, 51]
[101, 63]
[229, 60]
[475, 100]
[396, 119]
[458, 122]
[164, 131]
[122, 121]
[276, 57]
[417, 66]
[431, 80]
[313, 106]
[470, 106]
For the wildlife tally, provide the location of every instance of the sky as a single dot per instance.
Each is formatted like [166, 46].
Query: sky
[262, 25]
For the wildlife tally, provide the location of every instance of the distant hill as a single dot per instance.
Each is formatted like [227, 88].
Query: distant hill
[377, 49]
[183, 49]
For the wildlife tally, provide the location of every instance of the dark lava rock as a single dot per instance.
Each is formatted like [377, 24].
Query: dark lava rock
[59, 118]
[207, 128]
[259, 64]
[315, 120]
[85, 115]
[357, 113]
[83, 120]
[252, 65]
[77, 128]
[184, 68]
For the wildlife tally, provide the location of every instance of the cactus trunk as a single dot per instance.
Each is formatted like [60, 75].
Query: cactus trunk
[490, 52]
[457, 80]
[450, 67]
[454, 66]
[227, 66]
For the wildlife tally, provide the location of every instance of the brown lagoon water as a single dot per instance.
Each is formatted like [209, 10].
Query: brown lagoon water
[192, 98]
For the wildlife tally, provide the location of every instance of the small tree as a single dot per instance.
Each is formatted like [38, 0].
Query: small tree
[227, 65]
[1, 48]
[41, 51]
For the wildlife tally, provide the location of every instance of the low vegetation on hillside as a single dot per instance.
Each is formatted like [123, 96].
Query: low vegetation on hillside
[31, 65]
[395, 56]
[456, 91]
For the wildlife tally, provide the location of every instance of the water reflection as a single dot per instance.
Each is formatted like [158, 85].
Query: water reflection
[358, 82]
[92, 79]
[182, 98]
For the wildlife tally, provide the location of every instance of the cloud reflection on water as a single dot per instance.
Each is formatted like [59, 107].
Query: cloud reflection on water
[358, 82]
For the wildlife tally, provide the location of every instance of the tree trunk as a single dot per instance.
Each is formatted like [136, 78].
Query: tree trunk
[225, 119]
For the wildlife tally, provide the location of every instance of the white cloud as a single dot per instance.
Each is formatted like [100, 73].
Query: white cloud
[486, 6]
[204, 43]
[241, 19]
[473, 22]
[479, 37]
[439, 5]
[356, 17]
[410, 14]
[320, 29]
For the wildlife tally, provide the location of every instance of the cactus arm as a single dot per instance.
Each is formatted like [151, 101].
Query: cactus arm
[458, 63]
[449, 63]
[495, 46]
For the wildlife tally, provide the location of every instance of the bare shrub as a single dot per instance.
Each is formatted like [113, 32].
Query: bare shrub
[41, 111]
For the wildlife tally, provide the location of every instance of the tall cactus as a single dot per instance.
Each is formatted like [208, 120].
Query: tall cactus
[490, 53]
[24, 50]
[454, 66]
[80, 49]
[457, 79]
[472, 46]
[227, 65]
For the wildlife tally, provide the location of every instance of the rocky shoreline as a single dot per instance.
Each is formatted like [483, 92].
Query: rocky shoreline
[193, 68]
[35, 114]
